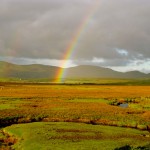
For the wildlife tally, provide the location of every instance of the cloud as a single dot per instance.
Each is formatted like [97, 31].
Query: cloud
[98, 60]
[140, 65]
[117, 33]
[122, 52]
[28, 61]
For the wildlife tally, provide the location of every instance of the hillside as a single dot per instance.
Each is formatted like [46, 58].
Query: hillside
[86, 71]
[35, 71]
[8, 70]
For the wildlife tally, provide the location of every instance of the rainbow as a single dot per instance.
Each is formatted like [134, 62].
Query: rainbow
[75, 40]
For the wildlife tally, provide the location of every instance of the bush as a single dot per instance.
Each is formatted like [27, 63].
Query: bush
[127, 147]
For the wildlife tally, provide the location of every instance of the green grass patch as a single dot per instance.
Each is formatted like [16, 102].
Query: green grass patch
[10, 103]
[74, 136]
[1, 135]
[101, 81]
[6, 106]
[90, 100]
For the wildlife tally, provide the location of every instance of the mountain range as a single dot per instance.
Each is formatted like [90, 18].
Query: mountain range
[35, 71]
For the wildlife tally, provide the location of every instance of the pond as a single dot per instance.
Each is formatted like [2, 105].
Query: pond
[125, 105]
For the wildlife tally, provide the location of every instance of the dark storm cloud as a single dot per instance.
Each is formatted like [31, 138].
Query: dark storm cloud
[38, 28]
[121, 25]
[118, 31]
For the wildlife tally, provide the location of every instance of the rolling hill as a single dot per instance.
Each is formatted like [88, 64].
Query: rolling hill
[8, 70]
[86, 71]
[35, 71]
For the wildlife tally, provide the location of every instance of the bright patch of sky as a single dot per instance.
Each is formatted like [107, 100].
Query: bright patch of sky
[140, 65]
[122, 52]
[98, 60]
[28, 61]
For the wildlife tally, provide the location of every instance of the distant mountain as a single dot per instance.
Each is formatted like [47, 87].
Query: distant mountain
[135, 74]
[86, 71]
[8, 70]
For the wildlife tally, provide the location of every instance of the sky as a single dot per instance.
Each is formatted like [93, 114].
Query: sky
[116, 33]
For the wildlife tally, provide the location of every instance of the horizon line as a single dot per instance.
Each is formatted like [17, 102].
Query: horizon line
[60, 67]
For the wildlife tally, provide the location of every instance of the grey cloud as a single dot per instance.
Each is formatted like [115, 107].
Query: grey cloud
[45, 28]
[121, 24]
[104, 62]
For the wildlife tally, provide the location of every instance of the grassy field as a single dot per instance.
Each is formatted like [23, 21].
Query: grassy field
[74, 107]
[74, 136]
[80, 81]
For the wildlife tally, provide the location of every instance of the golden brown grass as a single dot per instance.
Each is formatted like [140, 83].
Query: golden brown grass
[79, 103]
